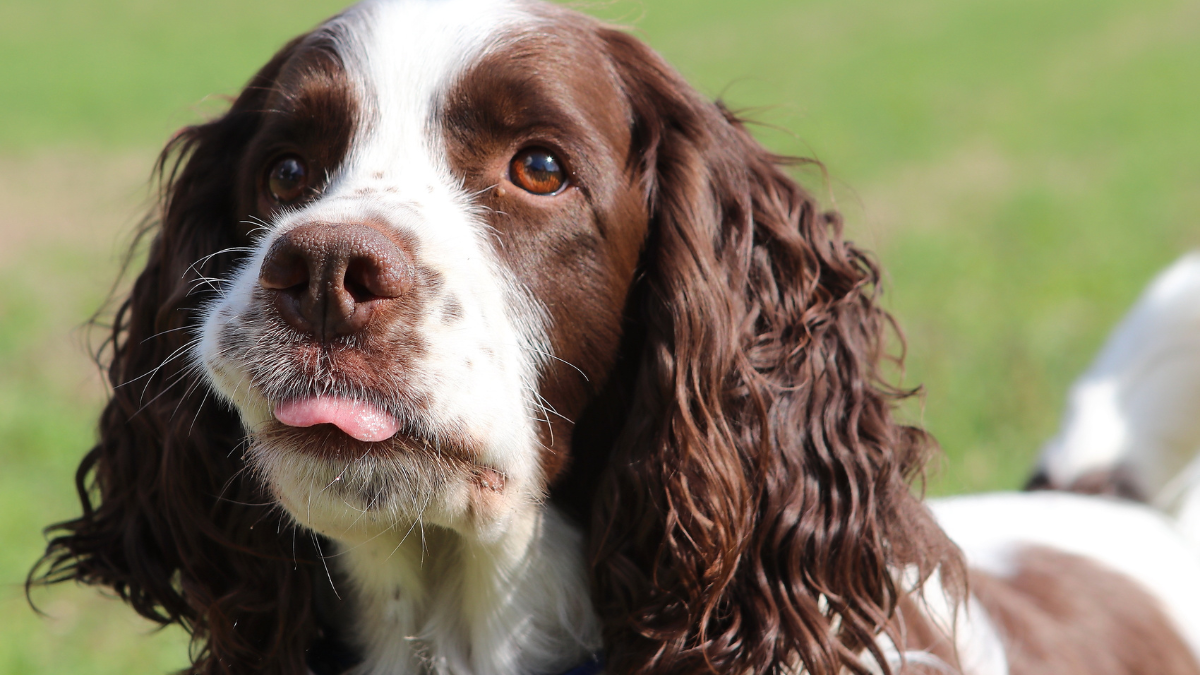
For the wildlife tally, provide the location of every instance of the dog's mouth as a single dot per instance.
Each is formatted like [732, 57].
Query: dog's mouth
[365, 438]
[361, 420]
[341, 426]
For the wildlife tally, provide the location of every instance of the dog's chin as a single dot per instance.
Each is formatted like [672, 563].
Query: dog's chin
[349, 490]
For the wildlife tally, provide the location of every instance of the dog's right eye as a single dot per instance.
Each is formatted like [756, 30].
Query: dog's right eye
[287, 179]
[537, 171]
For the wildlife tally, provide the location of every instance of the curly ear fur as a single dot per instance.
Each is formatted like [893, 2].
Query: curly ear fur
[756, 510]
[169, 520]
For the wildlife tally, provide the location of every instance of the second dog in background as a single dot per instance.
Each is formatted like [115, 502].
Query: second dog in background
[1132, 422]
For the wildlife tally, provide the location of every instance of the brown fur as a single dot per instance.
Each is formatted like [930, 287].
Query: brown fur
[577, 253]
[759, 467]
[1065, 615]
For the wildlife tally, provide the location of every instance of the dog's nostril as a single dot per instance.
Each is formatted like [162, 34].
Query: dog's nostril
[285, 271]
[359, 292]
[357, 288]
[371, 278]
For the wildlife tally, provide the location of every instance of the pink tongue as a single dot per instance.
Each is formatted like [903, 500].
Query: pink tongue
[358, 419]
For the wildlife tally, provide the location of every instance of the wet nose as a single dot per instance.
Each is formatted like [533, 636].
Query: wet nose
[328, 279]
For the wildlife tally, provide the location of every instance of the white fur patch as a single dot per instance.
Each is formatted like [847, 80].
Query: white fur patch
[437, 603]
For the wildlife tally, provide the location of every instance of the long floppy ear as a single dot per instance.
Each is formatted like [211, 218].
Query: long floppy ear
[170, 520]
[756, 509]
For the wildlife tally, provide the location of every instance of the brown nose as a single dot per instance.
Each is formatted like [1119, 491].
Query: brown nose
[327, 279]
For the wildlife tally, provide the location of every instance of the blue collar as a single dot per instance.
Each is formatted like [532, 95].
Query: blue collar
[593, 666]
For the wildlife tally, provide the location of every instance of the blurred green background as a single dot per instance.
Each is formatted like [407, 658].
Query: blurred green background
[1021, 168]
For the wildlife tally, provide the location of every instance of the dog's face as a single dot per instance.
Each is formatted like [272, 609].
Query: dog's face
[443, 223]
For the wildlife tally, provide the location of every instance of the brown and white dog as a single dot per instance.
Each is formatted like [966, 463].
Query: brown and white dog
[472, 340]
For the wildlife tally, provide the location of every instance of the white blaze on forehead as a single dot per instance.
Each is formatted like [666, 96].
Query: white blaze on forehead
[404, 56]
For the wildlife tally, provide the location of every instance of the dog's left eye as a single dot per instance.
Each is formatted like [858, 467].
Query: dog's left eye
[287, 179]
[538, 171]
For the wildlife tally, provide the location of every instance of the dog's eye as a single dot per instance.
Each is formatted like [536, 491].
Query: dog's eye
[536, 170]
[287, 179]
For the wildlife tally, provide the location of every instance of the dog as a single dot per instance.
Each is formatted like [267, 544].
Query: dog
[473, 340]
[1132, 422]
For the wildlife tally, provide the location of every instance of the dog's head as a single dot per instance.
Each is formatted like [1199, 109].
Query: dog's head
[449, 260]
[436, 276]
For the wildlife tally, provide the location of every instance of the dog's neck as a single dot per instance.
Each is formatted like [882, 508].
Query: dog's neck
[433, 601]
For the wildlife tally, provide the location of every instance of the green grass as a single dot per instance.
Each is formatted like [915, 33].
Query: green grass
[129, 72]
[1020, 167]
[47, 411]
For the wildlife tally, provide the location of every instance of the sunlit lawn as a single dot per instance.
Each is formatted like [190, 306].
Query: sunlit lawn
[1021, 168]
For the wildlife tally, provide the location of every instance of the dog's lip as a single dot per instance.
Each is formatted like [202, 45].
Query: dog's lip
[361, 420]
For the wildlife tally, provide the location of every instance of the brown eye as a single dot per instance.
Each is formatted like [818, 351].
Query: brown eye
[536, 170]
[288, 179]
